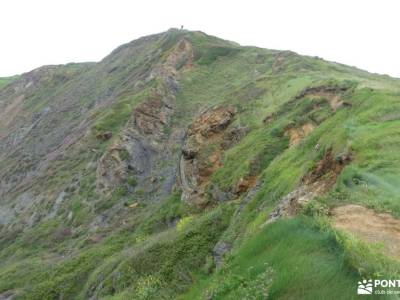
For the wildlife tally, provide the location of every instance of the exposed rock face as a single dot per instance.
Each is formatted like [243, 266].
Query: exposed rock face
[220, 249]
[202, 150]
[320, 180]
[211, 122]
[291, 204]
[181, 58]
[151, 116]
[126, 156]
[144, 143]
[327, 170]
[135, 152]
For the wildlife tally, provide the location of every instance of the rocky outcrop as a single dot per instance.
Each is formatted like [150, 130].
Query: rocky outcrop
[153, 115]
[291, 203]
[219, 251]
[317, 182]
[206, 139]
[137, 154]
[211, 122]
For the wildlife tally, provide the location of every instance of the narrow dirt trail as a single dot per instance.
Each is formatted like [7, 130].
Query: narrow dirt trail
[366, 224]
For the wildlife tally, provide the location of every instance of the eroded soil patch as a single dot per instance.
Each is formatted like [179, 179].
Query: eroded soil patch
[206, 140]
[367, 225]
[297, 134]
[317, 182]
[332, 94]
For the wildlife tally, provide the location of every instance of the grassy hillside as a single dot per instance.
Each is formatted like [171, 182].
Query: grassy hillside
[6, 80]
[97, 163]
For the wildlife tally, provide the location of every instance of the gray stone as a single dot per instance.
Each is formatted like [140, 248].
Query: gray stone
[220, 249]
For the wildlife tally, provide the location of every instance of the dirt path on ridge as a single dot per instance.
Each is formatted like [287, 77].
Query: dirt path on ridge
[367, 225]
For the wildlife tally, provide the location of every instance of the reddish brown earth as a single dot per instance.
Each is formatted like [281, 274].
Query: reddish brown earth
[202, 151]
[297, 134]
[317, 182]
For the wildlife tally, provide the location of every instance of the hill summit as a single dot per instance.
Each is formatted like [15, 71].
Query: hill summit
[184, 166]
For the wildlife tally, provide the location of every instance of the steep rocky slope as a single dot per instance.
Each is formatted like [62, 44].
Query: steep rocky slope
[186, 166]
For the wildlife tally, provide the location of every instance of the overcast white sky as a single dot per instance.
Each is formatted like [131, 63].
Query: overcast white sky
[362, 33]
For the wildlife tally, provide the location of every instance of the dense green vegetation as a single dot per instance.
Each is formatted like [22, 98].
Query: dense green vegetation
[122, 245]
[158, 260]
[305, 263]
